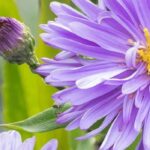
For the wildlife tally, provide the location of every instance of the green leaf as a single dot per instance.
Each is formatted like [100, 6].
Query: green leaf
[95, 1]
[41, 122]
[135, 143]
[86, 145]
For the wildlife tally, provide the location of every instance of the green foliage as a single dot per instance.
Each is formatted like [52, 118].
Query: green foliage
[135, 143]
[41, 122]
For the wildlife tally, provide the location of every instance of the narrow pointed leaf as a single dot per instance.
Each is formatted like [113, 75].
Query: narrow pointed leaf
[41, 122]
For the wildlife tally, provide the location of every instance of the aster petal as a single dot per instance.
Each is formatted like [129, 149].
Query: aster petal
[134, 84]
[70, 61]
[100, 110]
[93, 80]
[121, 78]
[142, 9]
[127, 137]
[128, 4]
[69, 116]
[101, 4]
[10, 140]
[142, 112]
[107, 24]
[27, 144]
[130, 74]
[146, 133]
[51, 65]
[80, 72]
[139, 98]
[131, 56]
[127, 108]
[74, 124]
[58, 83]
[112, 134]
[45, 28]
[105, 123]
[59, 9]
[102, 38]
[51, 145]
[77, 47]
[135, 32]
[140, 146]
[77, 96]
[64, 55]
[64, 32]
[121, 9]
[112, 24]
[91, 10]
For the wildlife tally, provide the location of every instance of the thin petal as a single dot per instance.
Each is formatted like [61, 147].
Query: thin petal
[127, 108]
[28, 144]
[59, 9]
[131, 56]
[134, 84]
[91, 10]
[146, 133]
[93, 80]
[103, 38]
[77, 96]
[51, 145]
[142, 112]
[112, 134]
[105, 123]
[99, 111]
[10, 140]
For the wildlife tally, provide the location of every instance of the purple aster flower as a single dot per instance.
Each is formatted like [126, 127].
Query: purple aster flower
[16, 41]
[105, 67]
[11, 140]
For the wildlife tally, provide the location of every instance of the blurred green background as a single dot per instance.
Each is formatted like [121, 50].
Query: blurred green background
[23, 93]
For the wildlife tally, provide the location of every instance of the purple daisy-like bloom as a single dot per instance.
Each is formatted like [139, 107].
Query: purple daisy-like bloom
[11, 140]
[16, 41]
[105, 67]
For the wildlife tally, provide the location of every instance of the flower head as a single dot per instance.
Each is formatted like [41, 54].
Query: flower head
[16, 41]
[11, 140]
[105, 67]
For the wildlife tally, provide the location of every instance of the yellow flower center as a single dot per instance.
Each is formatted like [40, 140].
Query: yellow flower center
[144, 53]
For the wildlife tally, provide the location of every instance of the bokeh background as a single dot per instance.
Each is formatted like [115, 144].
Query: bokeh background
[22, 93]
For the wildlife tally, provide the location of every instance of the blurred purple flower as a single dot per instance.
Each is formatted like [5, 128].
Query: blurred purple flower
[10, 32]
[11, 140]
[105, 67]
[16, 41]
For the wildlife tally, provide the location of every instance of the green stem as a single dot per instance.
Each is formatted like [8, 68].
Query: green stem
[33, 63]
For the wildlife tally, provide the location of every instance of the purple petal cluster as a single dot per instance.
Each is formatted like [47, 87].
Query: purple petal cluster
[16, 42]
[104, 66]
[11, 140]
[10, 32]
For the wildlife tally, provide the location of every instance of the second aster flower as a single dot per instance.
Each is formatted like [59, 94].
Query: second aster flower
[11, 140]
[105, 65]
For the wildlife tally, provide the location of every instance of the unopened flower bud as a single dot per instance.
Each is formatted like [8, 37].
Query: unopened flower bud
[16, 42]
